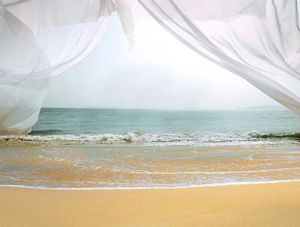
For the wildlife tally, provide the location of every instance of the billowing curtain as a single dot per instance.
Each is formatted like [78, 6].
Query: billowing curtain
[259, 40]
[44, 38]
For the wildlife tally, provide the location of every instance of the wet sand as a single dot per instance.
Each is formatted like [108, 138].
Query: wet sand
[275, 204]
[145, 166]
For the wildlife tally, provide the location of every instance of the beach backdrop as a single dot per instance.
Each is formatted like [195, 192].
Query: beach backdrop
[117, 149]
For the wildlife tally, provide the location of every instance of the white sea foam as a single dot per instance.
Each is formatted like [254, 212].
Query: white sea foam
[213, 172]
[186, 186]
[252, 137]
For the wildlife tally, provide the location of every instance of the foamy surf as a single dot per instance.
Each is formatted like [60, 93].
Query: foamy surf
[251, 137]
[147, 188]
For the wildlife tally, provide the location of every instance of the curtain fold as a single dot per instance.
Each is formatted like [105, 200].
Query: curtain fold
[259, 40]
[41, 39]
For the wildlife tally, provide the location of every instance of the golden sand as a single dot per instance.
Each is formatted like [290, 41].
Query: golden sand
[244, 205]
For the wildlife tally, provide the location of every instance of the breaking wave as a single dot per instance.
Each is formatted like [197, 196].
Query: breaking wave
[252, 137]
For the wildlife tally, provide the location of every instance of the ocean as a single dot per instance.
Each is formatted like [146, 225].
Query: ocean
[156, 127]
[113, 149]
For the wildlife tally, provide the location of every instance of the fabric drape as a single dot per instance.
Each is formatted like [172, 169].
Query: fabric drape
[40, 39]
[259, 40]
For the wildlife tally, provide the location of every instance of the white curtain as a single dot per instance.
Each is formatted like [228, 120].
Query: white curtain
[44, 38]
[258, 40]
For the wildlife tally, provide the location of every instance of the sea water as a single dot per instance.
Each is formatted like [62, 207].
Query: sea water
[107, 126]
[113, 149]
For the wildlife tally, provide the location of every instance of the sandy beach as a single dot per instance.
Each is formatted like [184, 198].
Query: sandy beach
[275, 204]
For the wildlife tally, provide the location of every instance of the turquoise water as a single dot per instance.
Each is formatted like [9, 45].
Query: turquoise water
[101, 121]
[166, 127]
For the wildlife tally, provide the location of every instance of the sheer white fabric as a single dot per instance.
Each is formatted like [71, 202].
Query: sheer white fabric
[258, 40]
[20, 105]
[40, 39]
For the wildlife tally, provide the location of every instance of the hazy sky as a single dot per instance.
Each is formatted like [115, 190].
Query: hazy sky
[158, 72]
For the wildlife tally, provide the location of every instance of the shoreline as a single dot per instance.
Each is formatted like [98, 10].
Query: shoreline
[275, 204]
[147, 188]
[146, 168]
